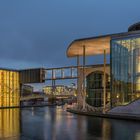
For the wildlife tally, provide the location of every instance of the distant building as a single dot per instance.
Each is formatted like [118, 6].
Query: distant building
[58, 90]
[38, 93]
[27, 90]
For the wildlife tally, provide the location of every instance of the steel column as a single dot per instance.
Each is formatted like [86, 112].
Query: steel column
[104, 83]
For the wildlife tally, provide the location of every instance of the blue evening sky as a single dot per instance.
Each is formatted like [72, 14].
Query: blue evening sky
[36, 33]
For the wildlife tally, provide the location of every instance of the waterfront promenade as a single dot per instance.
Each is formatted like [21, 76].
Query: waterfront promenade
[55, 123]
[121, 116]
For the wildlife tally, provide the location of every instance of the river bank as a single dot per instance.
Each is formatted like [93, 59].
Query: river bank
[123, 116]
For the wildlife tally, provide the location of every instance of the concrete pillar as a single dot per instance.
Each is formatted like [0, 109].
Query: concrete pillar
[104, 85]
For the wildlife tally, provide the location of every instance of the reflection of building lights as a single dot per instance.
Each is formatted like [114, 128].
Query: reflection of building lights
[33, 113]
[6, 122]
[137, 95]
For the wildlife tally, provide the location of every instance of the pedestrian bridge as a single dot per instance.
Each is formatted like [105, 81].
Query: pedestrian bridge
[30, 97]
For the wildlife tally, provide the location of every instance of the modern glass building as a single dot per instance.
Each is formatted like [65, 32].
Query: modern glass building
[124, 51]
[125, 67]
[9, 88]
[11, 82]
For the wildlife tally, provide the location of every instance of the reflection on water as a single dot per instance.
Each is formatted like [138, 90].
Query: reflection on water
[50, 123]
[9, 123]
[99, 127]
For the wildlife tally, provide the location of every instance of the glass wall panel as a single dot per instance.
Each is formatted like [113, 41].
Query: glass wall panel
[95, 88]
[125, 69]
[9, 88]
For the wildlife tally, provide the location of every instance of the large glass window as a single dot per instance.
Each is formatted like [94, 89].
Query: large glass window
[125, 68]
[95, 88]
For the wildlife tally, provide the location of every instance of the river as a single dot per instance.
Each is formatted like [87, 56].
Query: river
[54, 123]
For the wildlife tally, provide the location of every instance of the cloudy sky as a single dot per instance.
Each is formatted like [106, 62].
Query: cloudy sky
[36, 33]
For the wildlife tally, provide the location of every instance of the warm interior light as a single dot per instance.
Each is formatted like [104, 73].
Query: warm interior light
[117, 96]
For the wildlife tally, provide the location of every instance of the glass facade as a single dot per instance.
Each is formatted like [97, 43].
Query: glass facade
[125, 69]
[9, 88]
[95, 88]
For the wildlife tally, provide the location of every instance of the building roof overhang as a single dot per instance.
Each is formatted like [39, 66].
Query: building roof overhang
[95, 45]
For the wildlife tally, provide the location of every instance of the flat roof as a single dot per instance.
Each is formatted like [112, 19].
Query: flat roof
[94, 45]
[9, 69]
[18, 70]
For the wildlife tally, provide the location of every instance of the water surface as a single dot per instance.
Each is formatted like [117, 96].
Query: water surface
[54, 123]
